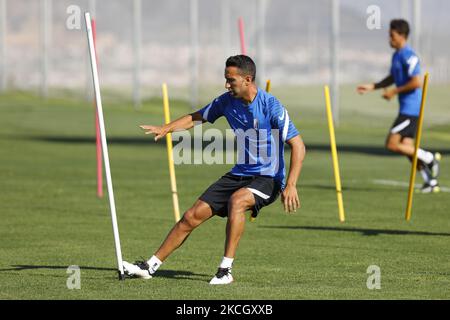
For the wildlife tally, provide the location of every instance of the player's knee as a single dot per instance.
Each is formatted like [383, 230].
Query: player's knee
[190, 219]
[392, 146]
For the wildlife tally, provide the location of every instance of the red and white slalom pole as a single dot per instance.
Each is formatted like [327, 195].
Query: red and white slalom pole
[98, 101]
[241, 35]
[97, 127]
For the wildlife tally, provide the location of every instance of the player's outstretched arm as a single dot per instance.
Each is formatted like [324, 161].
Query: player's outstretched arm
[386, 82]
[289, 197]
[184, 123]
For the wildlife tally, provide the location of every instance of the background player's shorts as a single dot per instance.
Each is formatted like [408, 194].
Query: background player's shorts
[265, 190]
[405, 126]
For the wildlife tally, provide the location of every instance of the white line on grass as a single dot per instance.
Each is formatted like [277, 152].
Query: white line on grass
[402, 184]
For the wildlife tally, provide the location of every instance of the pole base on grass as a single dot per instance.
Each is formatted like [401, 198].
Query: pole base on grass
[121, 275]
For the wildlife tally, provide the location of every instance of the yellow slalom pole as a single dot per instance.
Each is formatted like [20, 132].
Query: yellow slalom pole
[268, 85]
[417, 144]
[334, 155]
[173, 182]
[252, 219]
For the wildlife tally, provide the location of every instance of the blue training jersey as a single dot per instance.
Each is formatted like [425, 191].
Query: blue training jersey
[261, 128]
[405, 65]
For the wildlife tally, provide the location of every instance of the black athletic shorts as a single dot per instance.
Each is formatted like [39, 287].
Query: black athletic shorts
[265, 190]
[405, 126]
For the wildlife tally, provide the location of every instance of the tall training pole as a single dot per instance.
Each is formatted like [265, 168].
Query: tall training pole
[193, 59]
[89, 90]
[404, 9]
[173, 181]
[268, 85]
[98, 143]
[335, 59]
[90, 96]
[3, 46]
[98, 100]
[45, 25]
[416, 148]
[241, 35]
[334, 156]
[417, 25]
[225, 28]
[137, 37]
[261, 25]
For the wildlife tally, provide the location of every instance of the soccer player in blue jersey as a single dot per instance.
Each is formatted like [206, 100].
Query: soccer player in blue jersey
[405, 74]
[263, 126]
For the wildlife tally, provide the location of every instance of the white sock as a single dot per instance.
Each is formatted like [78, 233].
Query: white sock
[433, 182]
[226, 263]
[426, 178]
[154, 264]
[425, 156]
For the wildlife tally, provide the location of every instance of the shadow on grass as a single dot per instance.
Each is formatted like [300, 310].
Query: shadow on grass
[146, 140]
[364, 232]
[30, 267]
[172, 274]
[185, 275]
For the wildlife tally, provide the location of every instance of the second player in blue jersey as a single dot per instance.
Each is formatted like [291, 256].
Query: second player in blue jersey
[405, 74]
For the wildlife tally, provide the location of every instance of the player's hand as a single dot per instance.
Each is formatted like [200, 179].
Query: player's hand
[158, 132]
[364, 88]
[388, 94]
[290, 199]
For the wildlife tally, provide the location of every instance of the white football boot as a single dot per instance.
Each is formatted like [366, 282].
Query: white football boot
[223, 276]
[140, 269]
[435, 164]
[430, 187]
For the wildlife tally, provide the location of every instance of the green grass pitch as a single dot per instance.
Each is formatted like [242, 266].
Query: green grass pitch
[51, 217]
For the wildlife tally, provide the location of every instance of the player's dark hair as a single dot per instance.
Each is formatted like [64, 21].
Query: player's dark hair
[400, 26]
[243, 63]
